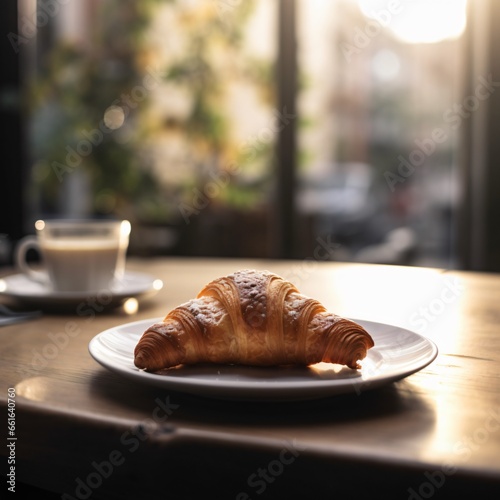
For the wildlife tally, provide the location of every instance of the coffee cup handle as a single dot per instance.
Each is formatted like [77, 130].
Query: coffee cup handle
[26, 244]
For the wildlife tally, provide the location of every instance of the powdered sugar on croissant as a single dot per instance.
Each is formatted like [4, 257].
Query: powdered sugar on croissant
[251, 317]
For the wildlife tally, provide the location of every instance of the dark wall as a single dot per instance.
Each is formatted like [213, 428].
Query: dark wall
[12, 168]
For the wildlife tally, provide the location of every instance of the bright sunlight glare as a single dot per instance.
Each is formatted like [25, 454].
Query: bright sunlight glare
[419, 21]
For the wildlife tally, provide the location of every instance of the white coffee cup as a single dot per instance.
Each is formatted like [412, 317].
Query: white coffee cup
[77, 255]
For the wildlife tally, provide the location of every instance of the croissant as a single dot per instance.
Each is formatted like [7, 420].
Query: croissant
[251, 317]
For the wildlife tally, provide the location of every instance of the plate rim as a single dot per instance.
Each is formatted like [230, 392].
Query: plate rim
[252, 390]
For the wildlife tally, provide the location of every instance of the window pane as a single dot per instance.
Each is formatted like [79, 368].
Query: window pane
[158, 111]
[381, 112]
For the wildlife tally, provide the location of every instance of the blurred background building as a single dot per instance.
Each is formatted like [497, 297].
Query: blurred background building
[309, 129]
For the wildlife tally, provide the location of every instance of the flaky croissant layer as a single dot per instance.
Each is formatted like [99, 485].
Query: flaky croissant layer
[251, 318]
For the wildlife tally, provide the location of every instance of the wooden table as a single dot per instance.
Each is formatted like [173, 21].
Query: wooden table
[85, 432]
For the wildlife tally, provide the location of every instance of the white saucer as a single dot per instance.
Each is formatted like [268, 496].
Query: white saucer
[29, 292]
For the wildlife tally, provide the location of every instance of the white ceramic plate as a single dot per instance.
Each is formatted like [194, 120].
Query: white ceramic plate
[397, 354]
[22, 289]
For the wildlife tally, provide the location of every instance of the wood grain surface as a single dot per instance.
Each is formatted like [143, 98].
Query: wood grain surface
[85, 432]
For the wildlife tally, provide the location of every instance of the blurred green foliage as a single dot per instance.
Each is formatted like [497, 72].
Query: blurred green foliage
[89, 102]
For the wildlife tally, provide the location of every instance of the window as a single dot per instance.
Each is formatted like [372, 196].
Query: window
[379, 143]
[159, 112]
[183, 116]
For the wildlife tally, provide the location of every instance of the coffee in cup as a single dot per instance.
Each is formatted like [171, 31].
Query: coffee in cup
[77, 255]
